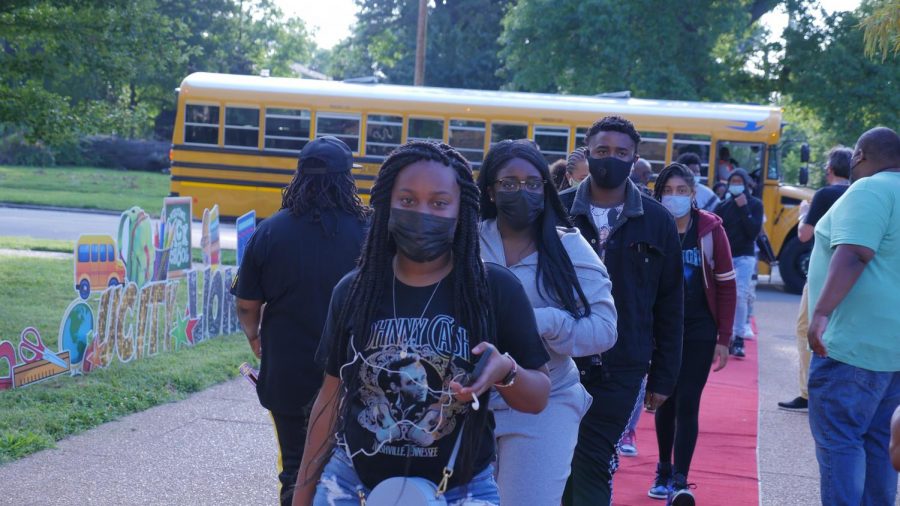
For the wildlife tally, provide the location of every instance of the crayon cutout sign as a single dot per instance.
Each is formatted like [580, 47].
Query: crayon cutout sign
[127, 304]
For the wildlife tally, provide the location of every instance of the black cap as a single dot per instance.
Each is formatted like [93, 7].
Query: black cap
[326, 155]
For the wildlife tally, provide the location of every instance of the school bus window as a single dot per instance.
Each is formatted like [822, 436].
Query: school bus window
[580, 134]
[383, 134]
[102, 253]
[201, 124]
[506, 131]
[110, 253]
[774, 162]
[553, 141]
[468, 138]
[287, 129]
[748, 155]
[421, 129]
[95, 253]
[84, 253]
[653, 149]
[241, 127]
[344, 127]
[688, 143]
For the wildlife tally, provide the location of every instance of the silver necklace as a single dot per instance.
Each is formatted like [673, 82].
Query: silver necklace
[404, 353]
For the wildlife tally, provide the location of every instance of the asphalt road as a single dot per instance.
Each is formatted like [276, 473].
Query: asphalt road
[68, 225]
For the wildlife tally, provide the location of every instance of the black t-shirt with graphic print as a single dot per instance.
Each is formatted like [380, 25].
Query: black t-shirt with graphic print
[699, 324]
[402, 421]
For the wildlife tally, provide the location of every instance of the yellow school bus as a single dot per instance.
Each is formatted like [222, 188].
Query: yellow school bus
[237, 138]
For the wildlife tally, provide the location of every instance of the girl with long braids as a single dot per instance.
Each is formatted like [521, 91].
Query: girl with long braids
[709, 302]
[403, 334]
[569, 289]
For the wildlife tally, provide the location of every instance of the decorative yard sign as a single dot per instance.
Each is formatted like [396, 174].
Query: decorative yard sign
[245, 225]
[209, 238]
[175, 234]
[126, 304]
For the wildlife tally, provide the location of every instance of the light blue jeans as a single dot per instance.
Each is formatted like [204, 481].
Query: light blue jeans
[340, 486]
[743, 270]
[638, 407]
[850, 416]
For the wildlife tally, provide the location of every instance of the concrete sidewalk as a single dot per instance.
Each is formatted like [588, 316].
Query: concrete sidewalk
[216, 447]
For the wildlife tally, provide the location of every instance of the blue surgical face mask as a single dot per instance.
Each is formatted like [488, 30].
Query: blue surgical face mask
[736, 189]
[678, 205]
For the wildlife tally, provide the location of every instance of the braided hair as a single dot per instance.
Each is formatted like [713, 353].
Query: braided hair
[471, 294]
[554, 269]
[319, 192]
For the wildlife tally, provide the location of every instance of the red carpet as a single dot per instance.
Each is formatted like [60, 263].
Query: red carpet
[724, 467]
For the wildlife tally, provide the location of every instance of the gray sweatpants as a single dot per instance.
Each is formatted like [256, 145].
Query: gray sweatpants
[534, 452]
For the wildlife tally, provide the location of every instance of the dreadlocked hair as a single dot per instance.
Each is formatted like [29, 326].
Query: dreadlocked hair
[555, 271]
[318, 192]
[471, 294]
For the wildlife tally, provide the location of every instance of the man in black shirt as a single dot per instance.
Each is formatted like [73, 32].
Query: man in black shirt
[292, 263]
[837, 175]
[636, 238]
[742, 217]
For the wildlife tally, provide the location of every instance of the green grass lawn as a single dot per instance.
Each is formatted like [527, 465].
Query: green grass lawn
[83, 187]
[35, 292]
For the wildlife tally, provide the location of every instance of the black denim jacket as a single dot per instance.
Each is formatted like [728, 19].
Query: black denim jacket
[643, 257]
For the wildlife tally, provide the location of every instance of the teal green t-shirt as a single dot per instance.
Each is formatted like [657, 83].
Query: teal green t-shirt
[864, 329]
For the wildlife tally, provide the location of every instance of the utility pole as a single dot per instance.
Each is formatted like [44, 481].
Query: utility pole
[419, 79]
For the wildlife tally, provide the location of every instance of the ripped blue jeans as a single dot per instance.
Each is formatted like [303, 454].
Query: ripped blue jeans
[340, 486]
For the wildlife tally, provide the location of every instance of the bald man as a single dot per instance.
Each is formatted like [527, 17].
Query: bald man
[641, 174]
[854, 376]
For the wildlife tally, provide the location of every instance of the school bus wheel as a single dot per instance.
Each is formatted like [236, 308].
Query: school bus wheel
[793, 264]
[84, 289]
[113, 281]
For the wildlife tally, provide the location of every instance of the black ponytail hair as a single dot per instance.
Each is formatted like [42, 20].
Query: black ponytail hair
[555, 271]
[674, 170]
[472, 305]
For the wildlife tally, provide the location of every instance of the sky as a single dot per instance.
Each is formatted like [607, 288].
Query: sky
[332, 19]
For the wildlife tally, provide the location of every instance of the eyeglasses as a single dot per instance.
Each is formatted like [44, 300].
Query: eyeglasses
[511, 184]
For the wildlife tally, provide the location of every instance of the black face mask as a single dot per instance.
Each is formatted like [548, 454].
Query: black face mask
[519, 208]
[609, 172]
[421, 237]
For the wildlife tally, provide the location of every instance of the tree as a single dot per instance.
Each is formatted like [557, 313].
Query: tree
[826, 71]
[684, 50]
[882, 28]
[462, 43]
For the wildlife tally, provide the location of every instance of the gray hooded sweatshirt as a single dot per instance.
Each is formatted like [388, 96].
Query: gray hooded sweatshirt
[564, 335]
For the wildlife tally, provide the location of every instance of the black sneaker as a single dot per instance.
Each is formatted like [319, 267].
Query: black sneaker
[737, 347]
[680, 493]
[799, 404]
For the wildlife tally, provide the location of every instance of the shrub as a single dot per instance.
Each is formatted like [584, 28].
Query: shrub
[15, 149]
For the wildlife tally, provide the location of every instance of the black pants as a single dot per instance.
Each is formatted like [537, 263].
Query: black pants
[595, 460]
[290, 431]
[677, 419]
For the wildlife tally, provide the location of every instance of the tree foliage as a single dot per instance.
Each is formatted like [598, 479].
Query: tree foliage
[684, 50]
[462, 44]
[826, 72]
[882, 28]
[73, 68]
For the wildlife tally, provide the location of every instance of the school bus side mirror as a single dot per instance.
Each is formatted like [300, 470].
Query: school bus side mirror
[804, 153]
[804, 176]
